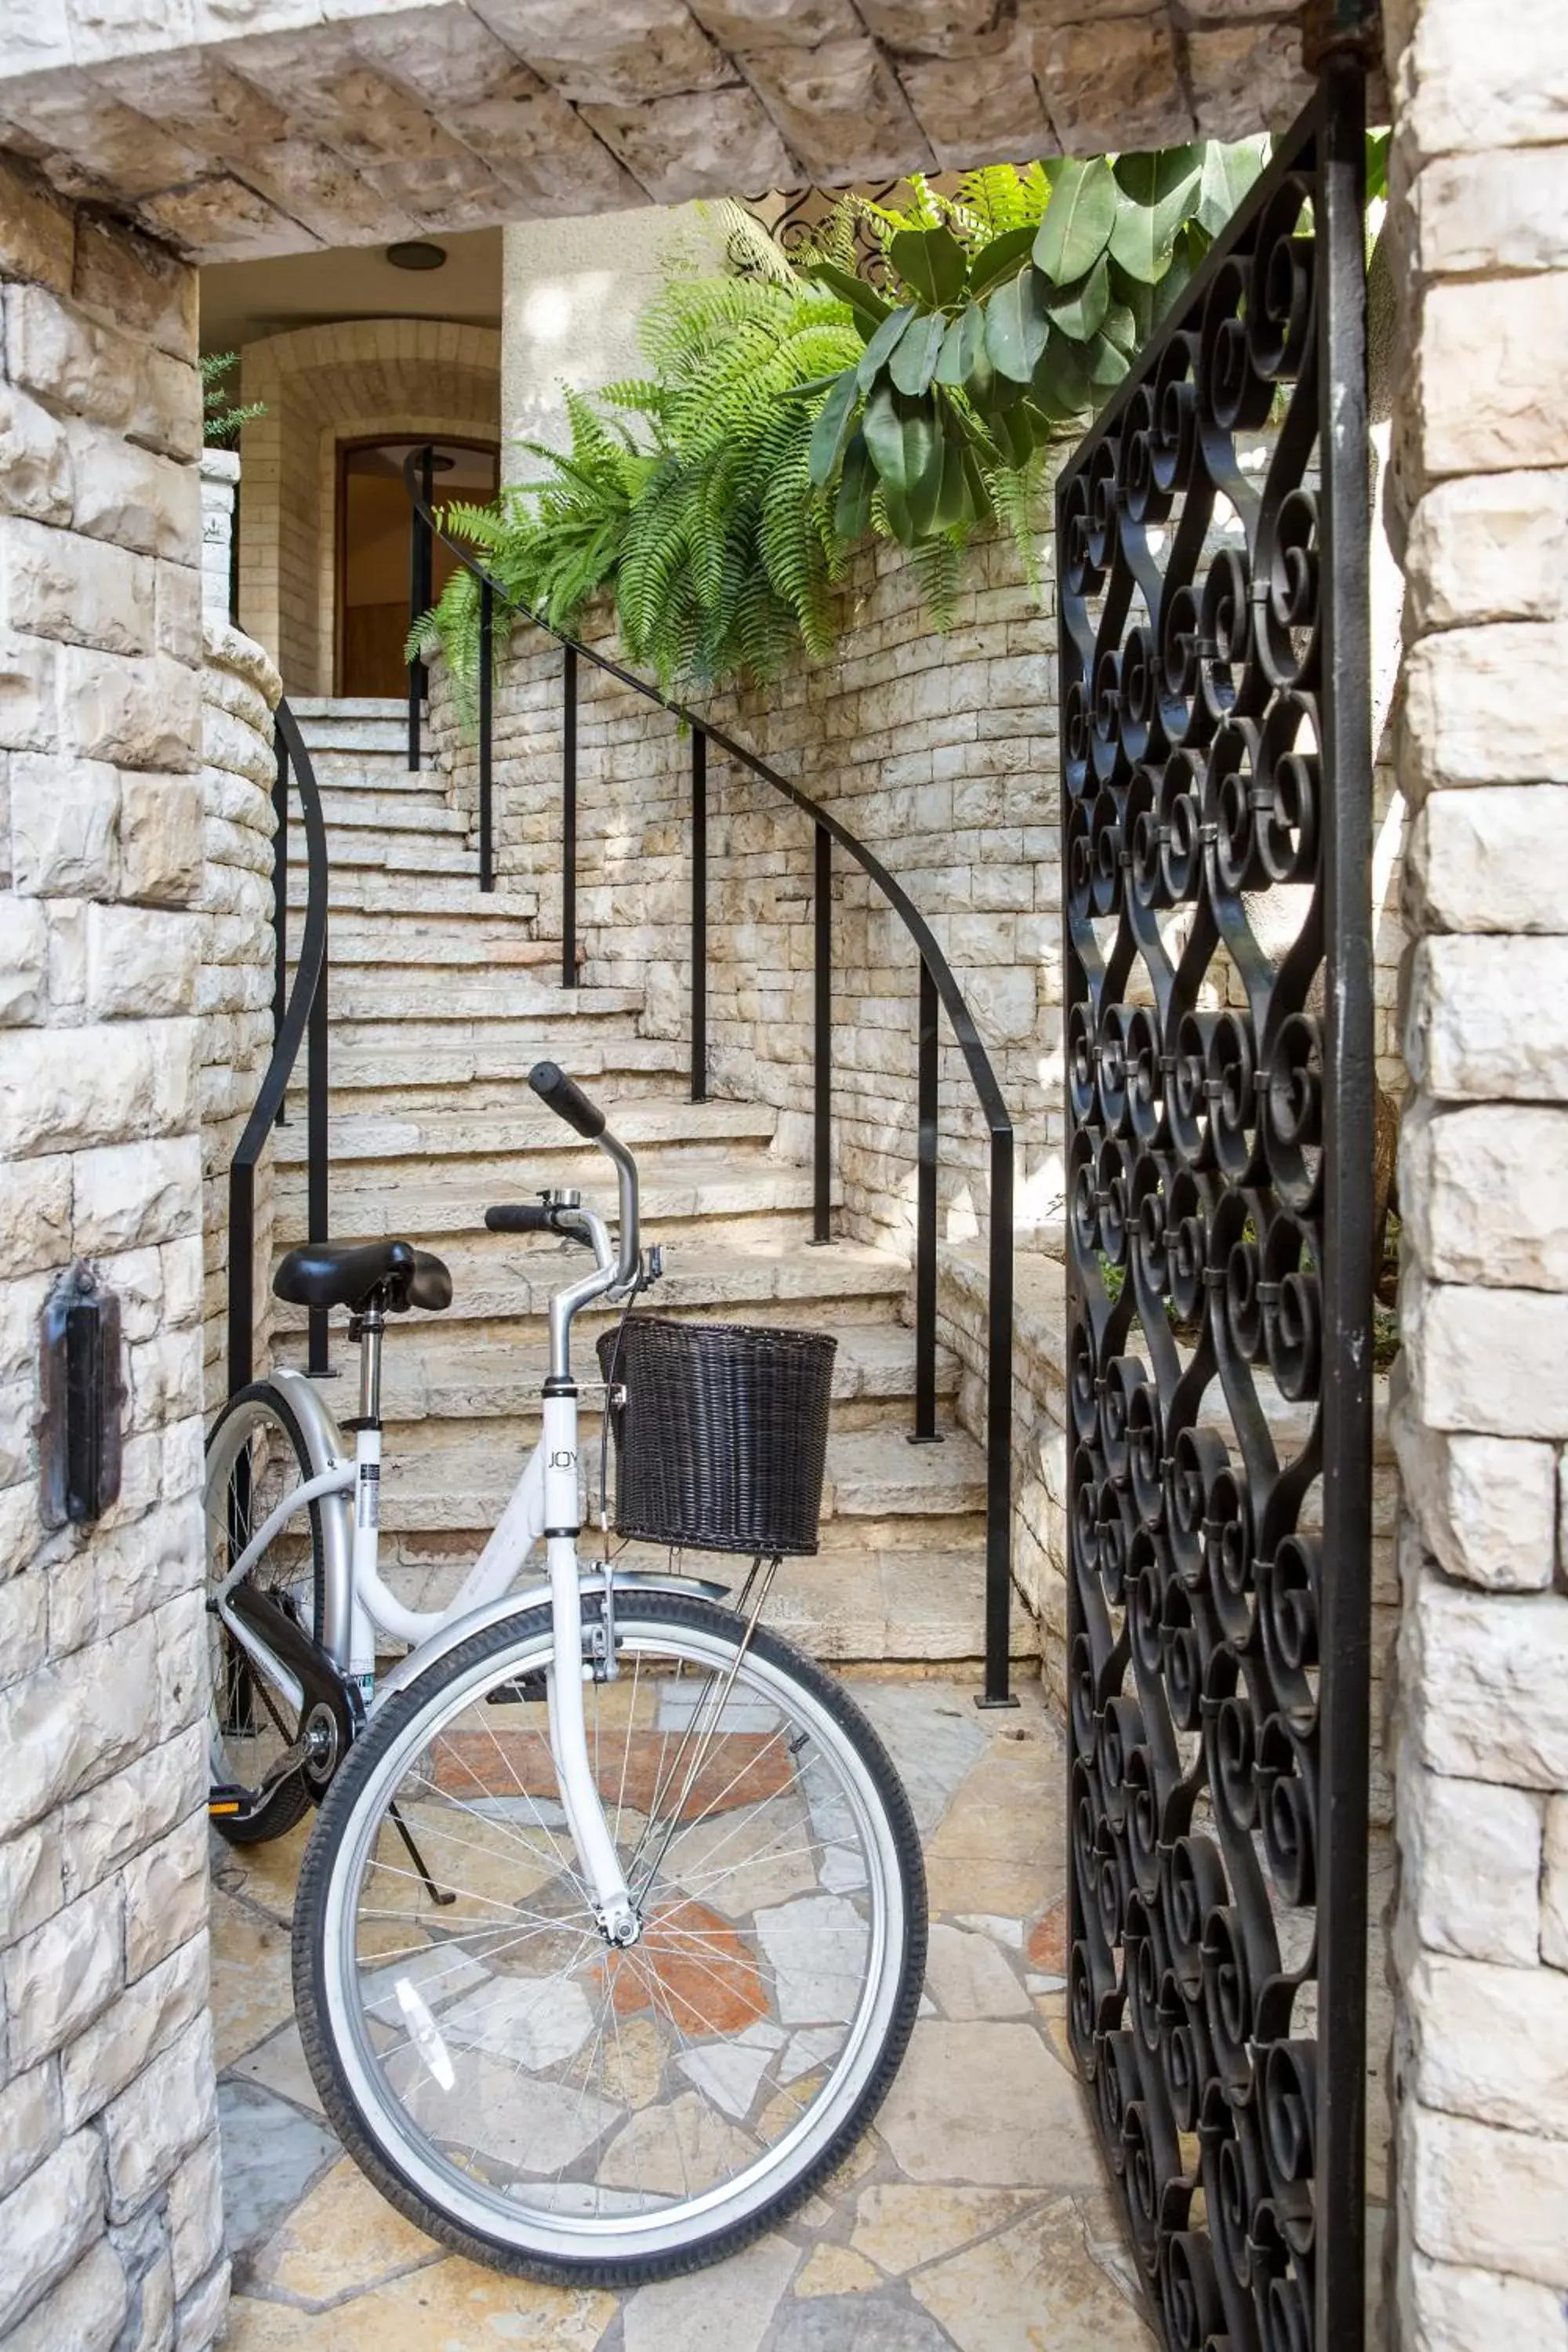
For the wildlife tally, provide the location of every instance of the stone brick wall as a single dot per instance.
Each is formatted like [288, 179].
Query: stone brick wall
[322, 386]
[1481, 1416]
[239, 693]
[109, 2212]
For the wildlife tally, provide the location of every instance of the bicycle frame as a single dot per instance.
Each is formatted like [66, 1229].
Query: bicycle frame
[543, 1506]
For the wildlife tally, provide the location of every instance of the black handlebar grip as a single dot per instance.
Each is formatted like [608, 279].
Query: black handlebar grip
[525, 1217]
[568, 1101]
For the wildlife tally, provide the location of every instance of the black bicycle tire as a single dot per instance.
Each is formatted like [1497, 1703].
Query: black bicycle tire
[291, 1801]
[337, 1813]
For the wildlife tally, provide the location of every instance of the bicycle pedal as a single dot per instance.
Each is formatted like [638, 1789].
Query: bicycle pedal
[523, 1688]
[226, 1803]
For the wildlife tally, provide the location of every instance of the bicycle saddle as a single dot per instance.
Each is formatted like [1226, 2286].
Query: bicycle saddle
[351, 1274]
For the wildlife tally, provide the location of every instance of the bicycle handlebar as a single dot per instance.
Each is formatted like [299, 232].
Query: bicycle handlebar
[566, 1099]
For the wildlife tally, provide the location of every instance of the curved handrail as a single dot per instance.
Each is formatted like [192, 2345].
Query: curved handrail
[936, 981]
[305, 1010]
[997, 1118]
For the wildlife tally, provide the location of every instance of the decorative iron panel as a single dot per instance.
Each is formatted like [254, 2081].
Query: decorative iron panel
[1216, 857]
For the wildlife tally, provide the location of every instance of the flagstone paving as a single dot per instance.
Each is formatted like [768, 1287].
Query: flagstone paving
[974, 2218]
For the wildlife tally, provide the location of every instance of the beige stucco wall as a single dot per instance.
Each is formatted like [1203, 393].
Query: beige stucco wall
[571, 294]
[322, 386]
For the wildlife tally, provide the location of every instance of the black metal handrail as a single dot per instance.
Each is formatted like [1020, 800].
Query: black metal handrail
[299, 1013]
[937, 986]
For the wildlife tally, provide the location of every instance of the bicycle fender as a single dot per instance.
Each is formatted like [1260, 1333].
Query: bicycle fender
[325, 1445]
[511, 1604]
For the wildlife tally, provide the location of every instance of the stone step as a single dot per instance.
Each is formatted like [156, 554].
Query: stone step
[670, 1128]
[573, 1035]
[404, 853]
[767, 1205]
[872, 1474]
[501, 1284]
[382, 997]
[452, 1377]
[376, 771]
[437, 1067]
[409, 813]
[449, 898]
[371, 942]
[341, 732]
[347, 705]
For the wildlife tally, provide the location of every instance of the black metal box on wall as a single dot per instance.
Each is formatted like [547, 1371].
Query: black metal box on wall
[82, 1392]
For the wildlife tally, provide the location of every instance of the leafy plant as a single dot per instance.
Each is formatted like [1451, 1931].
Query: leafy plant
[1012, 309]
[794, 411]
[221, 419]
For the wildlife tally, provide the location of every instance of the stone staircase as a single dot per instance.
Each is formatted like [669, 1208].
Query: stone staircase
[441, 1000]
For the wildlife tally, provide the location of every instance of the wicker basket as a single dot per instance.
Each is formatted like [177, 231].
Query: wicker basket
[722, 1435]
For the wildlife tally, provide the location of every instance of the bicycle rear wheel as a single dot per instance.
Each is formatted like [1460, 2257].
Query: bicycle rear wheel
[521, 2090]
[256, 1454]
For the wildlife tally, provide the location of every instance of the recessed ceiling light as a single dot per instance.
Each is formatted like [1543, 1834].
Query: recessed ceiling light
[416, 255]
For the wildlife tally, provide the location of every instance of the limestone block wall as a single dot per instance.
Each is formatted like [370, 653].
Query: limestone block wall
[1481, 1416]
[938, 752]
[322, 386]
[109, 2212]
[239, 693]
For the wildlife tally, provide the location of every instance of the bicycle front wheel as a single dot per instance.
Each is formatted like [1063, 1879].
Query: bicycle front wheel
[519, 2088]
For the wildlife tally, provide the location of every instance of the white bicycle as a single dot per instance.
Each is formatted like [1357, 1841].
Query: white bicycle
[611, 1929]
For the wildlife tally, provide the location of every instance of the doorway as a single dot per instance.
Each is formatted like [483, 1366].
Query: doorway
[373, 550]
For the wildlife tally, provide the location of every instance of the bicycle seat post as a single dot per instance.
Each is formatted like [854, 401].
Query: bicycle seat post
[367, 1328]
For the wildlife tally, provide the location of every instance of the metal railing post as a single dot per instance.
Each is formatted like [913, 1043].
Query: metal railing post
[925, 1431]
[241, 1274]
[822, 1043]
[699, 916]
[999, 1429]
[487, 682]
[569, 819]
[420, 575]
[316, 1164]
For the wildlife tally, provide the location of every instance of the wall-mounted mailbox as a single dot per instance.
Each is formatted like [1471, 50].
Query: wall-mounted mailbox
[82, 1392]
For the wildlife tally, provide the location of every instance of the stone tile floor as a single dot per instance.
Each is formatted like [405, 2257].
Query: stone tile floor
[973, 2216]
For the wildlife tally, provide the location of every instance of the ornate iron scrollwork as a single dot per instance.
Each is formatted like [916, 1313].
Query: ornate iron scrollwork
[1218, 1433]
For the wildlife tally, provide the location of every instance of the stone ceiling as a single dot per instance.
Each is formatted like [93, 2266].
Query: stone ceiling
[241, 127]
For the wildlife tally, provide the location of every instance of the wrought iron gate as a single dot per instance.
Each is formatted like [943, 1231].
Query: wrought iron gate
[1212, 551]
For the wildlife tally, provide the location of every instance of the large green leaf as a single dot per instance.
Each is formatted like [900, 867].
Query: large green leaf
[919, 348]
[834, 423]
[862, 298]
[852, 511]
[954, 504]
[1079, 310]
[963, 345]
[1017, 325]
[1120, 328]
[1228, 174]
[1107, 365]
[883, 344]
[1078, 219]
[1158, 191]
[931, 263]
[901, 436]
[1062, 382]
[1133, 295]
[1003, 254]
[1011, 431]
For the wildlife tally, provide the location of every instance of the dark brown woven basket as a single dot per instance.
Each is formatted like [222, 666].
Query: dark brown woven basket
[722, 1436]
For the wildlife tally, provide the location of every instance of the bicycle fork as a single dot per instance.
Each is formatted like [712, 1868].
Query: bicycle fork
[579, 1791]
